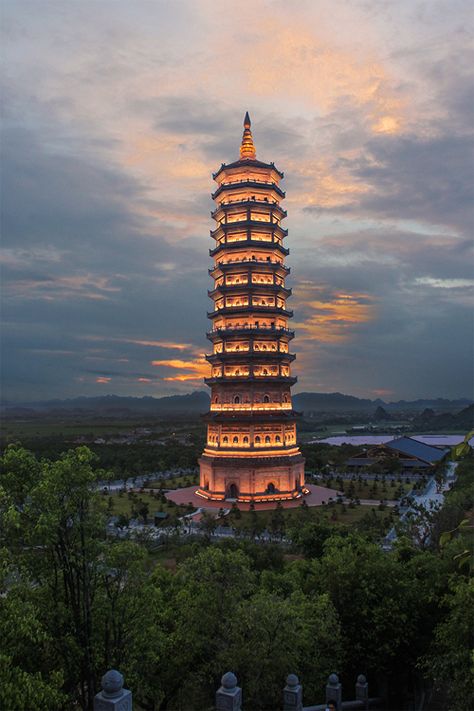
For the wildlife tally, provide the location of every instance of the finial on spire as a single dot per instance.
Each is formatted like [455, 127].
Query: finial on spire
[247, 148]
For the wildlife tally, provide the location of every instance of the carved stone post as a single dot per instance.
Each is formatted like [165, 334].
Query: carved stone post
[292, 694]
[334, 691]
[362, 690]
[113, 696]
[229, 695]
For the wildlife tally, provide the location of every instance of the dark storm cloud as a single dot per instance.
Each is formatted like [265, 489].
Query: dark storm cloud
[112, 129]
[426, 180]
[80, 258]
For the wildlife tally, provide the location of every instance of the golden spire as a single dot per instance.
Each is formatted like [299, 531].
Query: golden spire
[247, 149]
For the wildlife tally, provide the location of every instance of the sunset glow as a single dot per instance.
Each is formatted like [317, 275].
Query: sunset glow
[107, 155]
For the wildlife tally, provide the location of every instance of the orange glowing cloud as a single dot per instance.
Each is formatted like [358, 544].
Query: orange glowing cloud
[305, 64]
[197, 368]
[103, 380]
[334, 320]
[158, 344]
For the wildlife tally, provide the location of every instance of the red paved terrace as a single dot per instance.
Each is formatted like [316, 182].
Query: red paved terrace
[317, 495]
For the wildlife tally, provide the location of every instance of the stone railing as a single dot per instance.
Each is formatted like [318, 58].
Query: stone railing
[114, 697]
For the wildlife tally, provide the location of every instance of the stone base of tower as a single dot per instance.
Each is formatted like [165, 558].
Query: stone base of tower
[256, 479]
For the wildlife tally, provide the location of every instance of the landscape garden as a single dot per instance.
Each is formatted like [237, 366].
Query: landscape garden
[318, 594]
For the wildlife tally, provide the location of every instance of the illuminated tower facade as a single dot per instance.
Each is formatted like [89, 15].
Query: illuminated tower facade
[251, 451]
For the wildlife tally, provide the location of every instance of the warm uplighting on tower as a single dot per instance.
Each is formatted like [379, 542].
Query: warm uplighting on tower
[247, 148]
[251, 451]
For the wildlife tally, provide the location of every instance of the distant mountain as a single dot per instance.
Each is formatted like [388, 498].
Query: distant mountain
[198, 402]
[333, 402]
[116, 405]
[429, 421]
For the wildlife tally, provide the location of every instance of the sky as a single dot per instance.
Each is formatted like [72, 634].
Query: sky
[115, 114]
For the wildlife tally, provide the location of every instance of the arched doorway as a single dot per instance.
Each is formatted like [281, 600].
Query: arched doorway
[232, 491]
[271, 488]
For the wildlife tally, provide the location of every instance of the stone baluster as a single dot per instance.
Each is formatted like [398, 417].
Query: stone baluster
[292, 694]
[334, 691]
[362, 690]
[113, 696]
[229, 695]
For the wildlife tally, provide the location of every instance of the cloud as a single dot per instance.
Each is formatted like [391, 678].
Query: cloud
[112, 128]
[197, 369]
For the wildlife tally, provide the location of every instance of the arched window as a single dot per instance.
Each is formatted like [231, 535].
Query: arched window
[271, 488]
[216, 399]
[266, 398]
[236, 399]
[246, 440]
[267, 440]
[257, 439]
[285, 398]
[225, 439]
[235, 440]
[277, 438]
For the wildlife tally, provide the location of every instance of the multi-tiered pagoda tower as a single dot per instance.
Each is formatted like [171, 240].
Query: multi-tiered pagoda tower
[251, 451]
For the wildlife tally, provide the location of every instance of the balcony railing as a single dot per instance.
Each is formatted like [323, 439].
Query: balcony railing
[249, 262]
[262, 244]
[229, 310]
[248, 183]
[249, 202]
[245, 328]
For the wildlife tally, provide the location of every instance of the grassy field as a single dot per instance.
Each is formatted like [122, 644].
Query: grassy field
[368, 489]
[30, 429]
[123, 504]
[176, 482]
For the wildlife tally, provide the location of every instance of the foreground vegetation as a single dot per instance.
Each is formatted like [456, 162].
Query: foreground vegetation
[74, 604]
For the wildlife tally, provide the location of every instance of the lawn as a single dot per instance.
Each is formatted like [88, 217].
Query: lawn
[176, 482]
[30, 429]
[123, 504]
[368, 489]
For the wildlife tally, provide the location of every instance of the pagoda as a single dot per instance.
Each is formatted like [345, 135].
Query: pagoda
[251, 452]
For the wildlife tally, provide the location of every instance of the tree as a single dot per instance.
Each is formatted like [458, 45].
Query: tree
[65, 583]
[282, 633]
[449, 663]
[277, 521]
[208, 524]
[143, 510]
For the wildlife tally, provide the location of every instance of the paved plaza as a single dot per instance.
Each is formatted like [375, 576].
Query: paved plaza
[316, 497]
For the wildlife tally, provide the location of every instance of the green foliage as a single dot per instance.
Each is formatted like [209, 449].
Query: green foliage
[73, 603]
[450, 662]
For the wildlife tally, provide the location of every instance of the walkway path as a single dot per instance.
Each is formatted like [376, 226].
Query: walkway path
[429, 498]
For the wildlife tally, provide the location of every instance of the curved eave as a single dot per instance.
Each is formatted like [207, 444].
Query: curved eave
[239, 204]
[247, 184]
[239, 379]
[270, 227]
[251, 417]
[246, 243]
[251, 163]
[238, 356]
[221, 456]
[250, 288]
[251, 265]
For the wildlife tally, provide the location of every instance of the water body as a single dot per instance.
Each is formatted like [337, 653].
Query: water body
[436, 439]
